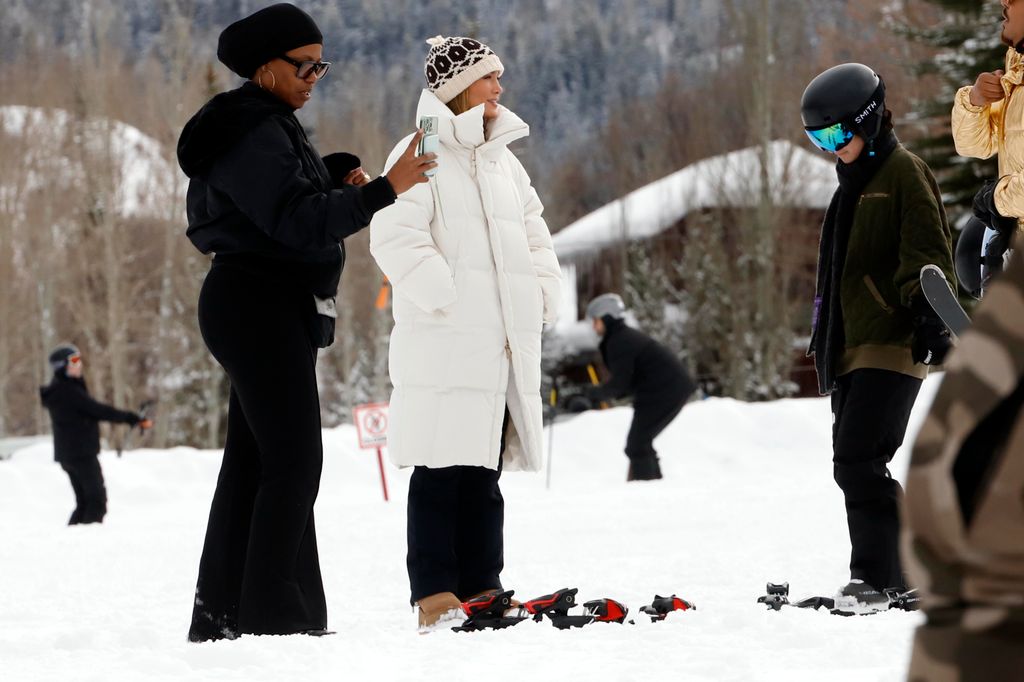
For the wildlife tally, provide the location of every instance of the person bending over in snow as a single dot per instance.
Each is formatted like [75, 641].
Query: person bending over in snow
[874, 335]
[76, 432]
[643, 368]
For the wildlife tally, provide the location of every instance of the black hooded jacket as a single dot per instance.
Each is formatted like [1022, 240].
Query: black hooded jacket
[259, 193]
[76, 417]
[642, 367]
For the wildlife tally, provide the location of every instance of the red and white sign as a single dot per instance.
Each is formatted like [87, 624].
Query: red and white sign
[371, 425]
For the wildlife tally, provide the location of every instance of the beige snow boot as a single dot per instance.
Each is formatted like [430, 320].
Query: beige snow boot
[439, 610]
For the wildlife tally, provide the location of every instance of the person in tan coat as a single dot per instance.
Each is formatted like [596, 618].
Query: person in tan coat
[964, 506]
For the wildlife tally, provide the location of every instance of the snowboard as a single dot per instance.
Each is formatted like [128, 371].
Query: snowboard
[777, 595]
[495, 611]
[942, 299]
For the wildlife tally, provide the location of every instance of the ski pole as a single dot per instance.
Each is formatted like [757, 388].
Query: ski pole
[551, 433]
[594, 380]
[383, 480]
[143, 411]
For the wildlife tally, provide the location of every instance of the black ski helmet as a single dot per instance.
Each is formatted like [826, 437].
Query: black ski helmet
[849, 94]
[60, 355]
[968, 256]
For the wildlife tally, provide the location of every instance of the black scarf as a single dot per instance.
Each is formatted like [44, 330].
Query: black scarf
[827, 338]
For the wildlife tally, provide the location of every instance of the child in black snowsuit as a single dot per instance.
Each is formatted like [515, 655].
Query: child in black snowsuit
[76, 432]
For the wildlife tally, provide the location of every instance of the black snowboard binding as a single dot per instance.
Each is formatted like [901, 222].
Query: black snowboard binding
[490, 611]
[662, 606]
[908, 600]
[777, 595]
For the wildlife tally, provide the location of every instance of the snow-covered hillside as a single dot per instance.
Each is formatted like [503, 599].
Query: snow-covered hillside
[55, 151]
[748, 497]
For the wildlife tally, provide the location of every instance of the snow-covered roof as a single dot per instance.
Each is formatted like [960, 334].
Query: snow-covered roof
[796, 177]
[51, 157]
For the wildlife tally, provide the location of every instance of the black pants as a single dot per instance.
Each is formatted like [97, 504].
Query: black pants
[259, 571]
[871, 408]
[90, 493]
[455, 530]
[649, 419]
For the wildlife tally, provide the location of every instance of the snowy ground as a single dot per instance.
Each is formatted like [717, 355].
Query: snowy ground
[748, 497]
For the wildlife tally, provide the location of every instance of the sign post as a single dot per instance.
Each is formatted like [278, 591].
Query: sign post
[372, 429]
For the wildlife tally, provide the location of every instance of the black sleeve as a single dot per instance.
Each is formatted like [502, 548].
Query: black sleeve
[340, 164]
[620, 358]
[85, 404]
[264, 177]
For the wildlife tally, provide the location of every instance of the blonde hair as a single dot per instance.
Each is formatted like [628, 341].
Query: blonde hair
[460, 103]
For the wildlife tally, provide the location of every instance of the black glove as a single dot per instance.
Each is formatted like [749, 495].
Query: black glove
[340, 164]
[931, 338]
[984, 208]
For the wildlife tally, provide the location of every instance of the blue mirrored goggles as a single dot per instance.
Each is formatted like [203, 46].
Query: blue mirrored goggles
[831, 139]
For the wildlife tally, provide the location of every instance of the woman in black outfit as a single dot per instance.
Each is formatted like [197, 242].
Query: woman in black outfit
[262, 199]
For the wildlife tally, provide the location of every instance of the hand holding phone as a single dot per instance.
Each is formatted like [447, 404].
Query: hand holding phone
[430, 141]
[411, 167]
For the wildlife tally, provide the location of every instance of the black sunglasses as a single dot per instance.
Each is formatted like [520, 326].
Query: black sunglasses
[303, 69]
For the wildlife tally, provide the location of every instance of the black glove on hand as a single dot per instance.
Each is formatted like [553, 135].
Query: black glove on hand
[340, 164]
[931, 338]
[985, 209]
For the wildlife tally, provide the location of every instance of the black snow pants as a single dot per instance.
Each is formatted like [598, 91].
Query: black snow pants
[90, 493]
[649, 419]
[455, 529]
[259, 571]
[870, 409]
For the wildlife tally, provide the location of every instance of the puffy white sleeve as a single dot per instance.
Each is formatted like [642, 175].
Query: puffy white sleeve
[401, 243]
[542, 252]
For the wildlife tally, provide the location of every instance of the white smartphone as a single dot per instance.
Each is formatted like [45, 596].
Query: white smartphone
[430, 142]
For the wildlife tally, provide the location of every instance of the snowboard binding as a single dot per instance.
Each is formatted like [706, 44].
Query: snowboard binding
[909, 600]
[556, 607]
[491, 611]
[776, 596]
[660, 607]
[606, 610]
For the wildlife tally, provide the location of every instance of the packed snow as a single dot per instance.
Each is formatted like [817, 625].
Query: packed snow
[747, 497]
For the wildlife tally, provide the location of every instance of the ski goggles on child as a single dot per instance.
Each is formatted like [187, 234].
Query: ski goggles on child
[831, 138]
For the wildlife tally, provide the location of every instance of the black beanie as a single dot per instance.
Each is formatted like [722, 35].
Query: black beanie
[249, 43]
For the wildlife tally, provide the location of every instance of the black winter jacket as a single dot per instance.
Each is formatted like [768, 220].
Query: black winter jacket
[76, 417]
[259, 191]
[642, 367]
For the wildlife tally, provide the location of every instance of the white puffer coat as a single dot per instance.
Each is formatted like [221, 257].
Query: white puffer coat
[475, 277]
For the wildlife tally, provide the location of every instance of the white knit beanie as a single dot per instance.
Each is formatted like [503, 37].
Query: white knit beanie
[455, 63]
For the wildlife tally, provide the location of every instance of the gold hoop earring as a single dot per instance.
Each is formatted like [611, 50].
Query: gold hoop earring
[259, 79]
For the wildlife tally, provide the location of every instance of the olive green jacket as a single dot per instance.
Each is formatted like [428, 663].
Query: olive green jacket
[899, 226]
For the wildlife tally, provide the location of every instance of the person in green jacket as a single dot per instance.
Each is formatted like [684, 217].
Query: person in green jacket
[874, 335]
